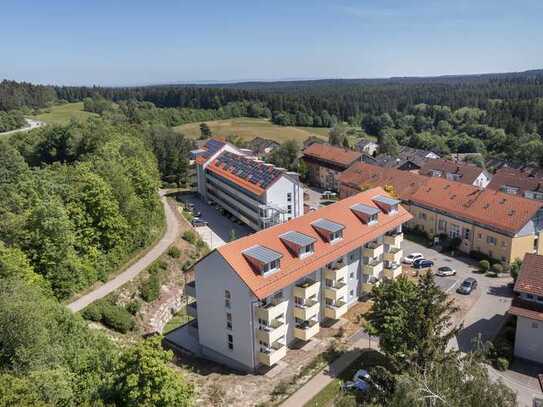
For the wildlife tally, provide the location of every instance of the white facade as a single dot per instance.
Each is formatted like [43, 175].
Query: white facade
[281, 201]
[529, 339]
[237, 329]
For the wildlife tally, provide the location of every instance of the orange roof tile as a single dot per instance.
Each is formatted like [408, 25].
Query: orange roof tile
[336, 155]
[530, 278]
[467, 173]
[355, 234]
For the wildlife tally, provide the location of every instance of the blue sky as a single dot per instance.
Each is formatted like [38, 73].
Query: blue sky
[140, 42]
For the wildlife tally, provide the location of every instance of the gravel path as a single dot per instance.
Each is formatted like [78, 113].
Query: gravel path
[31, 124]
[172, 231]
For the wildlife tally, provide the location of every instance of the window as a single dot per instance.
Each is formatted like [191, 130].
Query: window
[491, 240]
[422, 215]
[227, 298]
[466, 234]
[503, 259]
[229, 320]
[504, 243]
[289, 208]
[441, 225]
[273, 265]
[351, 293]
[352, 257]
[509, 189]
[289, 197]
[535, 325]
[351, 275]
[336, 235]
[479, 236]
[454, 231]
[305, 250]
[529, 297]
[230, 340]
[539, 298]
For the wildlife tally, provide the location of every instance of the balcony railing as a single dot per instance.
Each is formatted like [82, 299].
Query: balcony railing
[307, 330]
[190, 289]
[272, 310]
[336, 292]
[394, 238]
[373, 249]
[336, 310]
[374, 267]
[393, 270]
[307, 289]
[394, 255]
[270, 356]
[192, 309]
[308, 310]
[272, 332]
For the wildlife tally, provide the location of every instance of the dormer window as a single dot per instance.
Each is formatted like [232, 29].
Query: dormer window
[367, 214]
[330, 231]
[387, 204]
[263, 259]
[299, 243]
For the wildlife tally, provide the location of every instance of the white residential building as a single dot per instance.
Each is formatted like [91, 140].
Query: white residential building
[257, 193]
[257, 295]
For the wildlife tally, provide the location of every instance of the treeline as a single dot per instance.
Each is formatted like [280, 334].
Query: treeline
[78, 200]
[11, 120]
[18, 95]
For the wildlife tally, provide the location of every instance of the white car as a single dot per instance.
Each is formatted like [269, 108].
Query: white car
[410, 258]
[446, 271]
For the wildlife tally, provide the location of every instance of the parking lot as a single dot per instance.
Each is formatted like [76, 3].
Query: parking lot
[220, 228]
[481, 312]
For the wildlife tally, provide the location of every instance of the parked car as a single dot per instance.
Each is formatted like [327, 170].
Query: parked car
[422, 264]
[359, 382]
[198, 222]
[410, 258]
[467, 286]
[446, 271]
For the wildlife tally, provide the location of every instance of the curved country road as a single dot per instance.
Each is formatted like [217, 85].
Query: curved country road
[31, 124]
[172, 231]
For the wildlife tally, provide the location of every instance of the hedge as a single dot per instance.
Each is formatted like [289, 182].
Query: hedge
[117, 318]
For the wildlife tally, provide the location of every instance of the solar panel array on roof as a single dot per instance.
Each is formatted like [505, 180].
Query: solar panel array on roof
[298, 238]
[262, 254]
[212, 146]
[255, 172]
[328, 225]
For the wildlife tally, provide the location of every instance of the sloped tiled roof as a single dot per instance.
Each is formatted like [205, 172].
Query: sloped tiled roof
[292, 268]
[467, 173]
[515, 178]
[332, 154]
[530, 278]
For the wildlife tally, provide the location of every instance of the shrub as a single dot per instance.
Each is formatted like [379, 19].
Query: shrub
[491, 274]
[502, 364]
[498, 268]
[134, 307]
[174, 252]
[484, 265]
[189, 236]
[117, 318]
[93, 312]
[150, 288]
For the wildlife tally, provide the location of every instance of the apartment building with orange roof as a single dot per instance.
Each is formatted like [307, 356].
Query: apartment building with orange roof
[257, 193]
[502, 226]
[257, 295]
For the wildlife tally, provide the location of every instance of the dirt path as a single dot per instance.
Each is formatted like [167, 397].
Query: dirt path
[172, 231]
[31, 124]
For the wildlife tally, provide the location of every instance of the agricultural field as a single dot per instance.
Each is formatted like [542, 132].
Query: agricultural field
[62, 114]
[249, 128]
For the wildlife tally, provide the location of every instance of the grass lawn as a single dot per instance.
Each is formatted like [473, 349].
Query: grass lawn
[327, 396]
[249, 128]
[62, 114]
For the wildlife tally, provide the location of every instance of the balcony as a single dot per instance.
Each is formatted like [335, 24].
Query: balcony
[307, 289]
[273, 354]
[335, 311]
[394, 239]
[394, 255]
[373, 268]
[275, 308]
[306, 330]
[367, 287]
[192, 309]
[306, 311]
[393, 270]
[190, 289]
[373, 249]
[336, 273]
[336, 292]
[272, 332]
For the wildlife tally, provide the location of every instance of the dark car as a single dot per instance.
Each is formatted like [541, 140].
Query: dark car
[467, 286]
[422, 263]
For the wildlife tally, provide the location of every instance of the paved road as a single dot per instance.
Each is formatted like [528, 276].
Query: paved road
[31, 124]
[172, 231]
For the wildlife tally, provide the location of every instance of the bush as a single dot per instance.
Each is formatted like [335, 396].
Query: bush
[498, 268]
[93, 312]
[502, 364]
[150, 289]
[491, 274]
[134, 307]
[117, 318]
[189, 236]
[174, 252]
[484, 265]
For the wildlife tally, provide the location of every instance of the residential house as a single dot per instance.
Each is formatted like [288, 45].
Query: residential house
[312, 140]
[501, 226]
[455, 171]
[527, 306]
[368, 147]
[262, 146]
[528, 184]
[257, 193]
[257, 295]
[325, 162]
[408, 159]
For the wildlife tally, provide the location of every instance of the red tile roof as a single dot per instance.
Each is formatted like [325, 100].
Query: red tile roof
[526, 309]
[467, 173]
[530, 278]
[517, 179]
[335, 155]
[507, 213]
[292, 268]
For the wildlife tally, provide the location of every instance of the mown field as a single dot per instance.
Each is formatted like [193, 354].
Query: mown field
[249, 128]
[62, 114]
